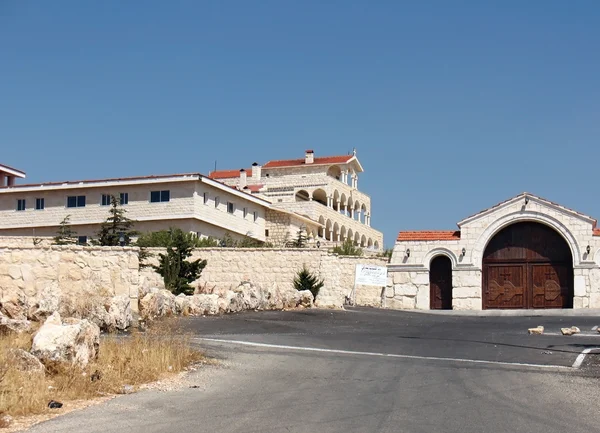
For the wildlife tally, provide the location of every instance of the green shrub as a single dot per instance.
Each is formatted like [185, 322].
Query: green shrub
[306, 280]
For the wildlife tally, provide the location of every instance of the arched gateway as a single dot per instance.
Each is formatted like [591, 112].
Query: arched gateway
[527, 265]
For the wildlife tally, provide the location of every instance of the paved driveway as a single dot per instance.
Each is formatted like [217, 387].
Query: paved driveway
[367, 370]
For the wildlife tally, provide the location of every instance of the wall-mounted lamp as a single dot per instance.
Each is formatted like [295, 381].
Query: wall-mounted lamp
[587, 250]
[407, 252]
[526, 200]
[318, 244]
[463, 252]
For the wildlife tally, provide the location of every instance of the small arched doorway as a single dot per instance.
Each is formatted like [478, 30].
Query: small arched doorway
[440, 283]
[527, 265]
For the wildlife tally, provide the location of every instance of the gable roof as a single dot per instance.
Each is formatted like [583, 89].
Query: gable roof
[227, 174]
[521, 197]
[322, 160]
[429, 235]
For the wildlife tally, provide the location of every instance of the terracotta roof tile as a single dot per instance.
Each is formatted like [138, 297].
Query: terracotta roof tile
[227, 174]
[596, 232]
[341, 159]
[429, 235]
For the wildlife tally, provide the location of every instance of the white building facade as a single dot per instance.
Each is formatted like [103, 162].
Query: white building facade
[192, 202]
[323, 189]
[526, 252]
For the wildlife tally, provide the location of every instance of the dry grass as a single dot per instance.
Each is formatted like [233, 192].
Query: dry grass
[133, 360]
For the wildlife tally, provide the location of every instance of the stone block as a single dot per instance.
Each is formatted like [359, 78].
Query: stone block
[580, 286]
[405, 290]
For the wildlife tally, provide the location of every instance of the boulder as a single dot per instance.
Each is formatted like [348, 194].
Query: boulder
[570, 331]
[536, 331]
[13, 304]
[205, 304]
[73, 341]
[25, 361]
[157, 304]
[250, 296]
[46, 302]
[182, 304]
[119, 312]
[8, 326]
[306, 299]
[290, 298]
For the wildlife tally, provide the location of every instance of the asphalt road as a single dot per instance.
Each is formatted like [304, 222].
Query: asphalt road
[369, 371]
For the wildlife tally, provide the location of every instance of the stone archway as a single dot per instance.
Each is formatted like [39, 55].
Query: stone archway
[527, 265]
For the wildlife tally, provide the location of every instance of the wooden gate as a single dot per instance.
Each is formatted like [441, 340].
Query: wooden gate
[527, 265]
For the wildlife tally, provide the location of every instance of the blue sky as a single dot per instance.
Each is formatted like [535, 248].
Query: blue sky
[452, 106]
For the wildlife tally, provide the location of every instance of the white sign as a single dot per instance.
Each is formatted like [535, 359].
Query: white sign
[371, 275]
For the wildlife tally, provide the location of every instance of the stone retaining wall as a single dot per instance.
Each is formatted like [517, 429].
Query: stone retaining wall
[28, 271]
[265, 267]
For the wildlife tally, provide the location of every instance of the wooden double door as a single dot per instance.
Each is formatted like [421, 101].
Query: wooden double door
[527, 265]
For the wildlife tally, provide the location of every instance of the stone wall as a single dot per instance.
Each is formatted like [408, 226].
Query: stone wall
[265, 267]
[26, 272]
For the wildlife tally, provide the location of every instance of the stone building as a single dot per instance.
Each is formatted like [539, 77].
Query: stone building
[526, 252]
[192, 202]
[324, 189]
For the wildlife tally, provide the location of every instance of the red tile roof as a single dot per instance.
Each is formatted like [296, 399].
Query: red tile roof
[596, 232]
[227, 174]
[341, 159]
[429, 235]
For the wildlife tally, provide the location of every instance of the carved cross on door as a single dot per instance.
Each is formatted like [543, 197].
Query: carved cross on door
[505, 275]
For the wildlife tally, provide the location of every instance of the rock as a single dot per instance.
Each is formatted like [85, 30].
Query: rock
[5, 421]
[72, 341]
[25, 361]
[53, 404]
[537, 331]
[13, 304]
[290, 298]
[306, 299]
[158, 304]
[126, 389]
[182, 304]
[45, 303]
[8, 326]
[205, 304]
[250, 296]
[570, 331]
[119, 312]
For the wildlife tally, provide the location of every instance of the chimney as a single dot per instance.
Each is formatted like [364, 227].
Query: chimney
[243, 179]
[256, 171]
[309, 157]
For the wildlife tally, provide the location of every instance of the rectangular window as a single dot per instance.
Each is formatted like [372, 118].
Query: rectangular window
[105, 200]
[255, 216]
[21, 204]
[160, 196]
[245, 212]
[124, 198]
[267, 233]
[205, 197]
[76, 201]
[217, 202]
[39, 204]
[230, 207]
[81, 240]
